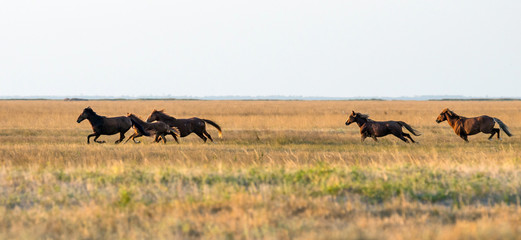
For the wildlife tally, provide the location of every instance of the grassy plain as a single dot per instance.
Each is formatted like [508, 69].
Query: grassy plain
[284, 170]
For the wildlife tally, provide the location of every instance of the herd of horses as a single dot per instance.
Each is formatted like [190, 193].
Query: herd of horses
[159, 125]
[462, 126]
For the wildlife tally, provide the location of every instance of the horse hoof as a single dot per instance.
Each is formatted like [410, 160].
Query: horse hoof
[500, 139]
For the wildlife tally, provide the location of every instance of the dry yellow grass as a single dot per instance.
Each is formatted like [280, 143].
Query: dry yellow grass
[284, 169]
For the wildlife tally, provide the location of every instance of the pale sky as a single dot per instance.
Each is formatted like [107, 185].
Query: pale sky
[285, 47]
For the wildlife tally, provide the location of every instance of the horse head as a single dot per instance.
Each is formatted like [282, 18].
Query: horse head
[443, 115]
[85, 114]
[351, 118]
[354, 117]
[154, 116]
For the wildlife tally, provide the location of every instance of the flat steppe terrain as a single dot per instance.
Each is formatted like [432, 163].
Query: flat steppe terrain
[283, 170]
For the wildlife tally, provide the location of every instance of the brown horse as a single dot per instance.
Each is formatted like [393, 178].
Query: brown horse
[464, 127]
[159, 129]
[374, 129]
[185, 126]
[102, 125]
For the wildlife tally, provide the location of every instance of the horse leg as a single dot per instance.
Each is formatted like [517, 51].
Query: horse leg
[131, 137]
[96, 139]
[363, 136]
[136, 136]
[374, 138]
[400, 136]
[208, 135]
[128, 138]
[464, 137]
[160, 137]
[201, 136]
[494, 131]
[498, 137]
[90, 135]
[121, 137]
[408, 136]
[175, 137]
[163, 136]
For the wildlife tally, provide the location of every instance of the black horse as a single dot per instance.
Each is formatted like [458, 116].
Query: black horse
[102, 125]
[185, 126]
[374, 129]
[159, 129]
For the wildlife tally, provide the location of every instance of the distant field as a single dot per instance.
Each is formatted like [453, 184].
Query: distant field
[283, 170]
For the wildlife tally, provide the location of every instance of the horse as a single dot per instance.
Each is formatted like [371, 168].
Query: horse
[464, 127]
[374, 129]
[159, 129]
[185, 126]
[102, 125]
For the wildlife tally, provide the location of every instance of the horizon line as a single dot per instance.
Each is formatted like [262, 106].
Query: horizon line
[246, 97]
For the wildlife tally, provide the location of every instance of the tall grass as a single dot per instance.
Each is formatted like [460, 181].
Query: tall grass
[284, 169]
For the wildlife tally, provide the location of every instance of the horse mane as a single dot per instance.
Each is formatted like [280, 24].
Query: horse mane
[364, 116]
[136, 118]
[94, 118]
[162, 114]
[89, 110]
[451, 113]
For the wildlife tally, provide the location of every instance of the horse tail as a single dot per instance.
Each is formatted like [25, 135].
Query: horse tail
[140, 128]
[412, 130]
[503, 127]
[215, 125]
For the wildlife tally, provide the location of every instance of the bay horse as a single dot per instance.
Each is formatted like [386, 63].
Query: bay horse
[374, 129]
[185, 126]
[159, 129]
[102, 125]
[464, 127]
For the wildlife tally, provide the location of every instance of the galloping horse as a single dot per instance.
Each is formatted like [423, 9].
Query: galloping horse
[374, 129]
[464, 127]
[102, 125]
[185, 126]
[159, 129]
